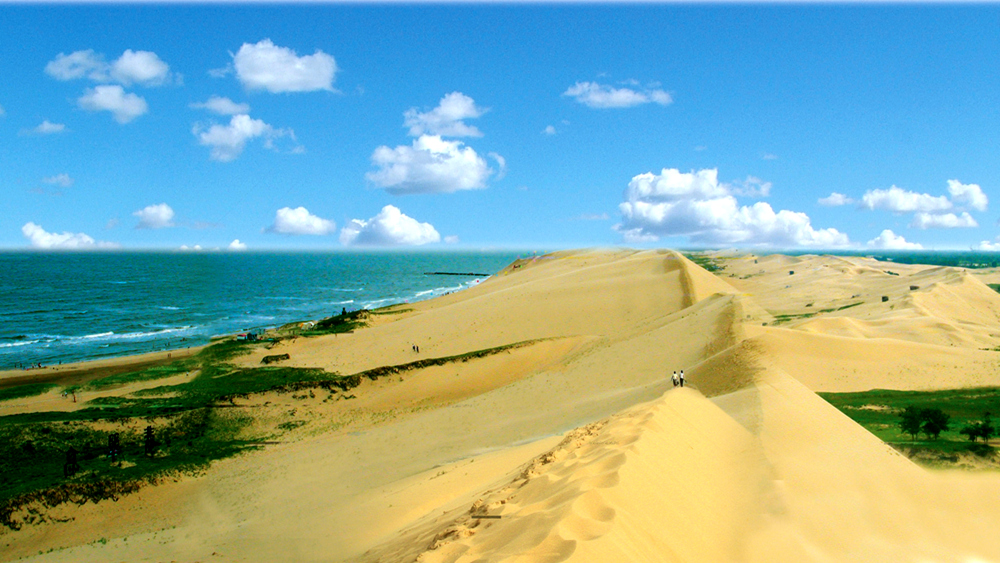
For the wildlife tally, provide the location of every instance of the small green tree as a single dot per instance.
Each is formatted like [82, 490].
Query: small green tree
[983, 429]
[910, 421]
[934, 422]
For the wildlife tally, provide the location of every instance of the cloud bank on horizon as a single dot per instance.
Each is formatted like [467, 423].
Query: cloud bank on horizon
[266, 138]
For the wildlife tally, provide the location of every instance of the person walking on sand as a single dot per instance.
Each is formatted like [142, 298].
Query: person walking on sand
[682, 378]
[673, 378]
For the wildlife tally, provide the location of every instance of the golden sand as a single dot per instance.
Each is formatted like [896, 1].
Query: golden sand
[578, 448]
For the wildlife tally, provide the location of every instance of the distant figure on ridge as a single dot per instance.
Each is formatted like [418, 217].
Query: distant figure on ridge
[673, 378]
[682, 378]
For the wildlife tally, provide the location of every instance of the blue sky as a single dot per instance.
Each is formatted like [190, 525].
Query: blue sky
[448, 126]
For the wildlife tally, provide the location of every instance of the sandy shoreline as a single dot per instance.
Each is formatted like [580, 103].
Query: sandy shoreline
[576, 447]
[80, 372]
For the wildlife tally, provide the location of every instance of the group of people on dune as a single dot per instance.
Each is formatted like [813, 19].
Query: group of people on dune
[678, 379]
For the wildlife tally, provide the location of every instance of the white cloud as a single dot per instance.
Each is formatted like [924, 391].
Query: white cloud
[228, 141]
[898, 200]
[140, 67]
[549, 130]
[697, 206]
[751, 187]
[989, 246]
[389, 228]
[594, 95]
[236, 245]
[970, 194]
[943, 221]
[39, 238]
[156, 216]
[769, 156]
[299, 221]
[265, 66]
[889, 240]
[133, 67]
[451, 239]
[124, 107]
[79, 64]
[220, 72]
[48, 128]
[222, 106]
[61, 180]
[429, 165]
[446, 119]
[835, 200]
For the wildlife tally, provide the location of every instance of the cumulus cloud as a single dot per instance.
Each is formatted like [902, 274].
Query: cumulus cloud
[41, 239]
[157, 216]
[429, 165]
[236, 245]
[601, 96]
[61, 180]
[222, 106]
[133, 67]
[549, 130]
[299, 221]
[265, 66]
[889, 240]
[943, 221]
[968, 194]
[446, 119]
[389, 228]
[79, 64]
[140, 67]
[835, 200]
[124, 107]
[990, 246]
[228, 141]
[898, 200]
[698, 206]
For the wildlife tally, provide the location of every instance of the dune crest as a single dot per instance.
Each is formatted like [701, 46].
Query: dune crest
[575, 446]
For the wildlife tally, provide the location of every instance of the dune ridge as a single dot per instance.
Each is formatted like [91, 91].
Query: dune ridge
[580, 444]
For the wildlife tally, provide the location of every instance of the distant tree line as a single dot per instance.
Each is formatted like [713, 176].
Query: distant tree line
[931, 421]
[983, 429]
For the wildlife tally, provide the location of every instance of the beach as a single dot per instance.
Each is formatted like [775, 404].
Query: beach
[535, 420]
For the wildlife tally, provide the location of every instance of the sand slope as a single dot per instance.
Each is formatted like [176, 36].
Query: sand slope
[579, 442]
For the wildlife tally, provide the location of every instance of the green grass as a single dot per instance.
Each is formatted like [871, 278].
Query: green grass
[191, 424]
[149, 374]
[704, 261]
[28, 390]
[878, 411]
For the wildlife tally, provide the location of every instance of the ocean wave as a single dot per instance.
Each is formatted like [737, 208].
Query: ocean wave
[19, 343]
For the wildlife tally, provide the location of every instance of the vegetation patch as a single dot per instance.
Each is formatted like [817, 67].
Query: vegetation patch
[704, 261]
[117, 444]
[946, 428]
[24, 391]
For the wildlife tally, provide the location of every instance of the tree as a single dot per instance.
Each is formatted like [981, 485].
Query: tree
[910, 421]
[983, 429]
[934, 422]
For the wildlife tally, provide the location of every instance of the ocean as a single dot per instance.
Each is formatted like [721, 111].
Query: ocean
[70, 307]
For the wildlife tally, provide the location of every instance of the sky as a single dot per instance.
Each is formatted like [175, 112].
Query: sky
[333, 126]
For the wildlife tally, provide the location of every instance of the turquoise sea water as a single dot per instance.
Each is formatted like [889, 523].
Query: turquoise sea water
[67, 307]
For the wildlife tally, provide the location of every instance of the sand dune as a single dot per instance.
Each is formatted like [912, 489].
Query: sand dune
[578, 441]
